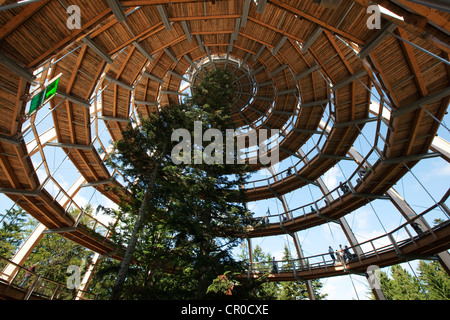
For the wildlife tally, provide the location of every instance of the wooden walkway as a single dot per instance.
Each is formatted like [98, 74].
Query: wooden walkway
[322, 266]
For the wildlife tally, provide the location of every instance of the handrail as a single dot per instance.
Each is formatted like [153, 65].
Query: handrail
[313, 204]
[380, 244]
[337, 190]
[34, 284]
[294, 166]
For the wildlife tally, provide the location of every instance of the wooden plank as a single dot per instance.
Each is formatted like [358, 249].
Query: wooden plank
[317, 21]
[18, 20]
[8, 170]
[412, 61]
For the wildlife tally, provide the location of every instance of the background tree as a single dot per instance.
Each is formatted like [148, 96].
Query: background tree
[14, 229]
[400, 286]
[435, 280]
[296, 290]
[263, 289]
[52, 255]
[432, 283]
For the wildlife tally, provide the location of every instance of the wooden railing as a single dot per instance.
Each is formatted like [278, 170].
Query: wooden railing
[375, 247]
[32, 284]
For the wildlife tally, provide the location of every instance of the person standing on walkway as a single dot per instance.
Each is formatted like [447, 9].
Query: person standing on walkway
[274, 264]
[331, 251]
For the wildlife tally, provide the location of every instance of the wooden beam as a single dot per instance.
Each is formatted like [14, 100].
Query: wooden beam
[75, 69]
[70, 38]
[88, 165]
[19, 107]
[413, 131]
[411, 58]
[19, 19]
[72, 132]
[319, 22]
[339, 52]
[429, 14]
[8, 170]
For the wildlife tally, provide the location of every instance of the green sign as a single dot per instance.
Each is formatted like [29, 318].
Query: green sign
[36, 102]
[43, 97]
[50, 91]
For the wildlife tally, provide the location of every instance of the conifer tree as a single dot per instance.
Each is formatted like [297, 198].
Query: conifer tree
[199, 203]
[435, 280]
[296, 290]
[401, 285]
[12, 232]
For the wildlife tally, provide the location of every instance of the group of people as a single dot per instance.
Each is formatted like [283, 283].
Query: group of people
[343, 255]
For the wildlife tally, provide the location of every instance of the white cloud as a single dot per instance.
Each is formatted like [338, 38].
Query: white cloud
[80, 200]
[362, 219]
[253, 207]
[41, 174]
[342, 288]
[331, 177]
[439, 170]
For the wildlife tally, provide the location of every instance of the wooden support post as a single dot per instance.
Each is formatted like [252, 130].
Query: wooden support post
[22, 254]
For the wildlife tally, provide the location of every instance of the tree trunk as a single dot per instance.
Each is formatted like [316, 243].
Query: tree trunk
[117, 289]
[125, 265]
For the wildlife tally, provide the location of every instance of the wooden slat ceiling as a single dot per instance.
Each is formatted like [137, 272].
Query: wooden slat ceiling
[291, 51]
